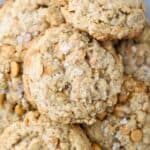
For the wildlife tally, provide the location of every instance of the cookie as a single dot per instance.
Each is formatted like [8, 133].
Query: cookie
[13, 103]
[69, 76]
[21, 21]
[106, 19]
[128, 127]
[38, 133]
[136, 56]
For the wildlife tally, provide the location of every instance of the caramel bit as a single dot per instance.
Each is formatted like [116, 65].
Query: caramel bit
[54, 141]
[136, 135]
[101, 116]
[19, 110]
[26, 120]
[31, 117]
[96, 147]
[14, 66]
[63, 2]
[2, 98]
[48, 70]
[118, 111]
[61, 96]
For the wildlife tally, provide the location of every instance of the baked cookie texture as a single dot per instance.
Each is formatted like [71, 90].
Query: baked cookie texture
[13, 103]
[128, 127]
[136, 56]
[69, 76]
[21, 21]
[37, 132]
[106, 19]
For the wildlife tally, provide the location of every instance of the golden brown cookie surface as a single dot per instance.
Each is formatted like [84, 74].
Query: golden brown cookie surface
[106, 19]
[70, 77]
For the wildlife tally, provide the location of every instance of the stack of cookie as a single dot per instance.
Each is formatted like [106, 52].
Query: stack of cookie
[74, 75]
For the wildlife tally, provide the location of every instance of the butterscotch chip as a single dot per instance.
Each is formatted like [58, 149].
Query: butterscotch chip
[136, 135]
[106, 19]
[55, 141]
[73, 89]
[19, 110]
[102, 115]
[96, 147]
[14, 69]
[119, 111]
[63, 2]
[2, 99]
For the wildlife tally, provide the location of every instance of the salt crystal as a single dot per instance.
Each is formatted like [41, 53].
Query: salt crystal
[123, 121]
[24, 37]
[20, 39]
[116, 146]
[78, 71]
[64, 47]
[106, 130]
[1, 75]
[27, 37]
[134, 49]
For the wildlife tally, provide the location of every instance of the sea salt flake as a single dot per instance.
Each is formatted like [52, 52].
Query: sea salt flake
[78, 72]
[116, 146]
[118, 136]
[24, 37]
[19, 39]
[1, 75]
[134, 49]
[123, 121]
[27, 37]
[106, 130]
[64, 47]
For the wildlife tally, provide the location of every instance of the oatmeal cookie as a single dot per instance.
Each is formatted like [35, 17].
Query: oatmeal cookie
[106, 19]
[37, 132]
[21, 21]
[128, 127]
[13, 103]
[136, 56]
[69, 76]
